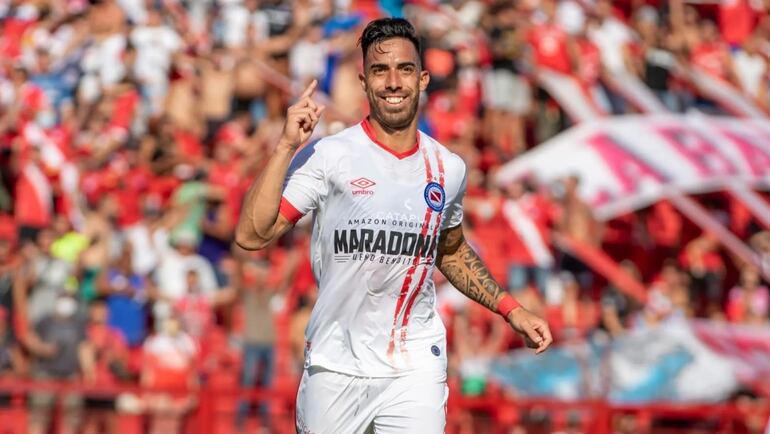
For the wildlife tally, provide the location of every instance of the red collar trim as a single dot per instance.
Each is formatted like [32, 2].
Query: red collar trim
[400, 155]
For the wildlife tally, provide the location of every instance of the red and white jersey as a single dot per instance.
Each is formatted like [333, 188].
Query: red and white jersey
[377, 217]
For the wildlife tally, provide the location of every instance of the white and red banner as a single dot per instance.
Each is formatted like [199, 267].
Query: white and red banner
[572, 95]
[626, 163]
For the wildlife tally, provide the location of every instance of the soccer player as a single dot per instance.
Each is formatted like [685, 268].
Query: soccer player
[387, 208]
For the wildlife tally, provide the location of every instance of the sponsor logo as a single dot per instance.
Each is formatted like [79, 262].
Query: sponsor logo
[435, 350]
[410, 244]
[434, 196]
[362, 187]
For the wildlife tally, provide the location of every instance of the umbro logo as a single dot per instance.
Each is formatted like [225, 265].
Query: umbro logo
[363, 186]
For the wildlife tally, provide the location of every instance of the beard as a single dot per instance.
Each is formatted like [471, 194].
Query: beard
[393, 118]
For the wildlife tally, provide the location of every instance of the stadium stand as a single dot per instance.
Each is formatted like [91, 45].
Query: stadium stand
[618, 165]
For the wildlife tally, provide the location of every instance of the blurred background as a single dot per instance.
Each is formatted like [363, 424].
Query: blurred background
[618, 157]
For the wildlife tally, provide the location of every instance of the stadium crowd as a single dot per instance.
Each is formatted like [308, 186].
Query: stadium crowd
[131, 129]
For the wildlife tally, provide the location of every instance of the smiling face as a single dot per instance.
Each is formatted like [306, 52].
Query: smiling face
[393, 80]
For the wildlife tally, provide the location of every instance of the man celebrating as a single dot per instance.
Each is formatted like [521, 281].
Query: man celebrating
[387, 207]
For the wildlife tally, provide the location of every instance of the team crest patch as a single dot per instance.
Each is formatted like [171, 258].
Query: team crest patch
[434, 196]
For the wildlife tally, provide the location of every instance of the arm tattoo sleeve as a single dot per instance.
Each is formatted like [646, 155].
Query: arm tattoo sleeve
[465, 270]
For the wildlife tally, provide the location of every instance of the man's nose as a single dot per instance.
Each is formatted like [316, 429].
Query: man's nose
[393, 80]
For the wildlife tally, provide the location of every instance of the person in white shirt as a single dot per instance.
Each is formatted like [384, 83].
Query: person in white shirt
[751, 70]
[156, 43]
[386, 202]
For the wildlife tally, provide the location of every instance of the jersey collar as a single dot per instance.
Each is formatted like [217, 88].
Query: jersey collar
[400, 155]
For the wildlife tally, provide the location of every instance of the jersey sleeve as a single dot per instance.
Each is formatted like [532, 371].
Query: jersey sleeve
[305, 183]
[454, 211]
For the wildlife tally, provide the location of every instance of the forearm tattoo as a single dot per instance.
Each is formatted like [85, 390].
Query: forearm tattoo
[465, 270]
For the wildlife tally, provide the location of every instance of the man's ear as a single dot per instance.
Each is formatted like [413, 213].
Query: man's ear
[424, 80]
[362, 81]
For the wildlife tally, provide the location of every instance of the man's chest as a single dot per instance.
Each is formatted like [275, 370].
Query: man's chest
[367, 187]
[384, 213]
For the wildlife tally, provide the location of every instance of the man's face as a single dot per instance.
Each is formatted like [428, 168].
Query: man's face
[393, 80]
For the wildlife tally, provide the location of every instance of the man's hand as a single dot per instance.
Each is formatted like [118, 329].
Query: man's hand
[533, 328]
[301, 119]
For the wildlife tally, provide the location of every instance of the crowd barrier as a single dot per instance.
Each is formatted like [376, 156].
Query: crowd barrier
[215, 409]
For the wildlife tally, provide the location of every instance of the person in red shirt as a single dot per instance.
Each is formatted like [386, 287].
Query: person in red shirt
[552, 47]
[576, 315]
[196, 309]
[664, 226]
[487, 221]
[109, 355]
[589, 68]
[737, 19]
[169, 366]
[529, 217]
[711, 54]
[702, 262]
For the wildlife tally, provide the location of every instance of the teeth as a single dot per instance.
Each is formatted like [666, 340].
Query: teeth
[394, 99]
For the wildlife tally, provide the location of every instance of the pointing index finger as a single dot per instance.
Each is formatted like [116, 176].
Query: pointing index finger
[309, 89]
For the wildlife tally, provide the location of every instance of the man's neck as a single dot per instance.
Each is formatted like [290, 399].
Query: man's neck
[399, 141]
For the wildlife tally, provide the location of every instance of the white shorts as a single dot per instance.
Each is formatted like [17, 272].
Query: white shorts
[333, 403]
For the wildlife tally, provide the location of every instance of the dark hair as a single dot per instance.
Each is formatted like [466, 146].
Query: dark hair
[386, 28]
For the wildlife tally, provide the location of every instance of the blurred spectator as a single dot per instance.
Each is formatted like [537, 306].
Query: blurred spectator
[506, 92]
[12, 364]
[258, 334]
[475, 346]
[667, 299]
[10, 274]
[168, 371]
[705, 268]
[126, 294]
[48, 277]
[658, 58]
[299, 321]
[612, 37]
[529, 217]
[617, 308]
[749, 301]
[176, 261]
[576, 221]
[577, 315]
[155, 44]
[308, 56]
[589, 65]
[553, 48]
[711, 55]
[760, 242]
[751, 70]
[737, 19]
[110, 365]
[104, 244]
[61, 352]
[487, 220]
[664, 226]
[196, 309]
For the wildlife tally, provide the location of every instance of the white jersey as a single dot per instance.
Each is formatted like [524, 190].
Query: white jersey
[377, 217]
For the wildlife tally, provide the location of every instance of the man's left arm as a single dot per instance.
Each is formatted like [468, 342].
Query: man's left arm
[466, 271]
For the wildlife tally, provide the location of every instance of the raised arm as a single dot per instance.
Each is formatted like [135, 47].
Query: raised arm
[260, 222]
[465, 270]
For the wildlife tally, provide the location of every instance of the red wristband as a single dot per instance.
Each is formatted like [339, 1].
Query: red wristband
[506, 305]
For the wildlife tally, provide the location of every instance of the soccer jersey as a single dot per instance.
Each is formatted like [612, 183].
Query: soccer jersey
[377, 218]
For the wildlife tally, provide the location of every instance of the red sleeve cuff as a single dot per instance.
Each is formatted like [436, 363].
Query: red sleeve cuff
[289, 212]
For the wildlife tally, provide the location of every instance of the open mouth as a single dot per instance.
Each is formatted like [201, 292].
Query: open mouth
[394, 100]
